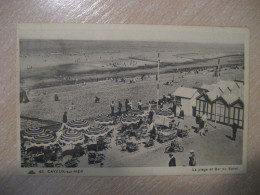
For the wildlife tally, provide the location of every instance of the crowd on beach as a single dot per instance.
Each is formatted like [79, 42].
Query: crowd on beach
[117, 109]
[128, 106]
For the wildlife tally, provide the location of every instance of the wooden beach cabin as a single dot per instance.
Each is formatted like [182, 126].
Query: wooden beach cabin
[222, 104]
[186, 97]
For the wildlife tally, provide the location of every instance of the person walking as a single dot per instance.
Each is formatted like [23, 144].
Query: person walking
[234, 128]
[140, 105]
[64, 121]
[192, 159]
[149, 107]
[174, 108]
[201, 127]
[198, 121]
[206, 130]
[181, 113]
[112, 106]
[172, 162]
[150, 116]
[72, 106]
[119, 108]
[97, 99]
[56, 97]
[126, 105]
[153, 131]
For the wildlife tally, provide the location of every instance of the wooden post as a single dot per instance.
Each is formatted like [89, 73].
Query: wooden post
[216, 114]
[158, 81]
[218, 69]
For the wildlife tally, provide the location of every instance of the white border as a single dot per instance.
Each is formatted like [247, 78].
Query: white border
[136, 33]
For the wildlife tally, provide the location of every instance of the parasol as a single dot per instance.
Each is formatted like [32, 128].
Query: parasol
[95, 131]
[104, 120]
[136, 113]
[70, 136]
[31, 132]
[129, 119]
[43, 139]
[79, 124]
[164, 113]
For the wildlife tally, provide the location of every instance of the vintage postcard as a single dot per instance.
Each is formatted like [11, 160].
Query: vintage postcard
[112, 100]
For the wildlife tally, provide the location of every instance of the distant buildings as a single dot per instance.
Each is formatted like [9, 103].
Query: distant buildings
[222, 102]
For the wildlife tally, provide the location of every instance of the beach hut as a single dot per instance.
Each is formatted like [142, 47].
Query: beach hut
[236, 113]
[222, 109]
[222, 102]
[187, 98]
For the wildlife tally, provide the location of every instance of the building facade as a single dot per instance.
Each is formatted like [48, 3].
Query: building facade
[186, 98]
[223, 106]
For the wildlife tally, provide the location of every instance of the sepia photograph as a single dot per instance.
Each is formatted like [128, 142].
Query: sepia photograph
[132, 100]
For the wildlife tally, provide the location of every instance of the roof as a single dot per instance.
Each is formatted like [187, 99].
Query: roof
[230, 98]
[230, 91]
[212, 88]
[224, 84]
[212, 95]
[185, 92]
[205, 86]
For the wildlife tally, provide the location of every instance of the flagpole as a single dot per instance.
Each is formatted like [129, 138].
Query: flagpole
[216, 113]
[158, 74]
[218, 69]
[217, 96]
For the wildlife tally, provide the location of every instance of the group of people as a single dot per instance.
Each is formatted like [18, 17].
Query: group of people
[128, 106]
[202, 121]
[192, 159]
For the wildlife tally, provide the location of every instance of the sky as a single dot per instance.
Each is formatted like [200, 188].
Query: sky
[161, 33]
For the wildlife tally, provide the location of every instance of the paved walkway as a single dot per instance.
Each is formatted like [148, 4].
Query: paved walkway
[214, 149]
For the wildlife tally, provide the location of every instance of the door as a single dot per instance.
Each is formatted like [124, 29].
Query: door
[220, 112]
[194, 111]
